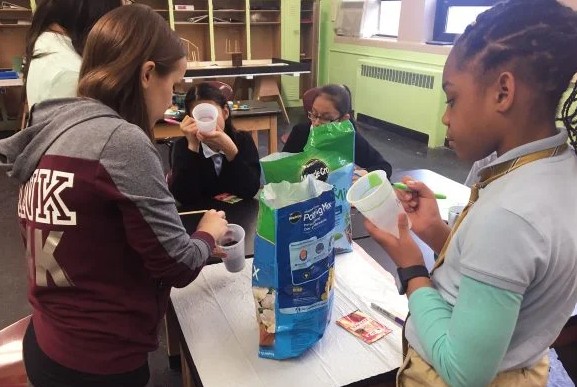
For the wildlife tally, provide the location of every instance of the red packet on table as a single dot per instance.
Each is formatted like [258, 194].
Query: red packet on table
[363, 326]
[228, 198]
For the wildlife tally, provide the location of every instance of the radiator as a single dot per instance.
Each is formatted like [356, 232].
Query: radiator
[407, 94]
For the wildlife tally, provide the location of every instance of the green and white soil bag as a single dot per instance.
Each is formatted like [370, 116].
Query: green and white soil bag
[329, 156]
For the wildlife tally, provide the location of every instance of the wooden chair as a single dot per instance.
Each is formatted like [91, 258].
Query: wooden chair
[309, 97]
[12, 371]
[192, 52]
[266, 89]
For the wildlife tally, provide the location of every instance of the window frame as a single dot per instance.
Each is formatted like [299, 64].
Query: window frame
[441, 13]
[378, 34]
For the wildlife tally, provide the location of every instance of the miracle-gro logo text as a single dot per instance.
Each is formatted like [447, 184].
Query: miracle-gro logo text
[318, 168]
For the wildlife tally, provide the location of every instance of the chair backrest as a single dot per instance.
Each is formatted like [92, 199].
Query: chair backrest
[192, 51]
[12, 371]
[224, 88]
[309, 97]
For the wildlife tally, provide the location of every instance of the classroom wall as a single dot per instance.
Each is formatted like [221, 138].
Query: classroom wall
[413, 108]
[340, 61]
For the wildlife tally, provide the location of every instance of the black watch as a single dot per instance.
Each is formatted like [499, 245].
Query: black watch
[408, 273]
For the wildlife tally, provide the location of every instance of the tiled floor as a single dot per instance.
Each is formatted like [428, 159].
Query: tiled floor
[402, 153]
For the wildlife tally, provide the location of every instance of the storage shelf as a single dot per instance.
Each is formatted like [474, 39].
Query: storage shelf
[21, 24]
[264, 23]
[189, 24]
[220, 24]
[228, 10]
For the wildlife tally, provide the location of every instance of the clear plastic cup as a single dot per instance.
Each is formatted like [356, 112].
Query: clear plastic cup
[374, 196]
[205, 115]
[232, 243]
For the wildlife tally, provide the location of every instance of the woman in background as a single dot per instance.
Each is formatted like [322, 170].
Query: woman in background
[333, 104]
[55, 43]
[208, 164]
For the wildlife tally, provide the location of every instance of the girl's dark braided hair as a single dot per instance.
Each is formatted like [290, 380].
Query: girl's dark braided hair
[539, 39]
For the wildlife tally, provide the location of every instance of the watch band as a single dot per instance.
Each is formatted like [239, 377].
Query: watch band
[408, 273]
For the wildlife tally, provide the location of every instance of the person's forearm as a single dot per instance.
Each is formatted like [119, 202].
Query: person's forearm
[417, 283]
[230, 152]
[467, 342]
[436, 235]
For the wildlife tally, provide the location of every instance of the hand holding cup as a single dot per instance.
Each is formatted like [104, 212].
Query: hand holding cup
[214, 223]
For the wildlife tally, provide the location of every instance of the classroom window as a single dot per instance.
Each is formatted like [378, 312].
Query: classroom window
[389, 17]
[453, 16]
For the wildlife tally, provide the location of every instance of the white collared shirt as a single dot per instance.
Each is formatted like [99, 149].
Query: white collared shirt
[215, 156]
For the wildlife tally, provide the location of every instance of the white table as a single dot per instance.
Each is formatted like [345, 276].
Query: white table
[217, 319]
[457, 193]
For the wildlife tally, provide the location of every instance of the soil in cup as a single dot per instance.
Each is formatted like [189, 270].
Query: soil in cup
[230, 243]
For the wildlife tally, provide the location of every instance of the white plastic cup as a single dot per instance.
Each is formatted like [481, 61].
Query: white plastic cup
[454, 213]
[232, 243]
[205, 115]
[374, 196]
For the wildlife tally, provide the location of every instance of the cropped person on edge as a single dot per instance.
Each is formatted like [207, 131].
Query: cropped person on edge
[207, 164]
[104, 240]
[504, 284]
[333, 103]
[54, 45]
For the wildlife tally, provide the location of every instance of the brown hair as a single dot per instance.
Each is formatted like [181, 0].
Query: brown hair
[116, 48]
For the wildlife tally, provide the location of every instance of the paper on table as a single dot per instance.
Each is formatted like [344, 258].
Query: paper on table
[216, 314]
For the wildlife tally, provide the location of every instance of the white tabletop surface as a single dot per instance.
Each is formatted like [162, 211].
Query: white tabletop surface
[217, 316]
[457, 193]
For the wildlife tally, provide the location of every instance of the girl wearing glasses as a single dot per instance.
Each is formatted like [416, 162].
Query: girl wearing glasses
[333, 104]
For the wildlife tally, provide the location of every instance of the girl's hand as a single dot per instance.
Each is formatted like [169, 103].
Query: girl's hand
[189, 129]
[358, 173]
[213, 222]
[422, 210]
[218, 140]
[420, 204]
[404, 251]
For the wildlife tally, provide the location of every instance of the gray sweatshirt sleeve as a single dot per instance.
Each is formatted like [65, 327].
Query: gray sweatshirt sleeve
[133, 178]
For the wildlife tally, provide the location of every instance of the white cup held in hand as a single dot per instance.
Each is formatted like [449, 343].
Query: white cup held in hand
[205, 115]
[232, 243]
[374, 196]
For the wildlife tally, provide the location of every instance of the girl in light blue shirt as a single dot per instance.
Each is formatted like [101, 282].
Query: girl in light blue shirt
[504, 284]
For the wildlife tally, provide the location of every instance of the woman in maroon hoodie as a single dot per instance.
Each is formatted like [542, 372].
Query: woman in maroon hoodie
[104, 240]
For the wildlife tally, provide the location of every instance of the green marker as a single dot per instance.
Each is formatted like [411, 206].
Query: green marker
[403, 187]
